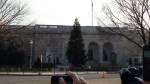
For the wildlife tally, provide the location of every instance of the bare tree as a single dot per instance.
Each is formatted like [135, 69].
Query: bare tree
[135, 16]
[12, 12]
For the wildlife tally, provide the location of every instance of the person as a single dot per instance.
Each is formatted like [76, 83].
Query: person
[128, 76]
[76, 79]
[131, 75]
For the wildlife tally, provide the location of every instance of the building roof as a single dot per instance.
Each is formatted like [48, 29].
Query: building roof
[61, 29]
[67, 29]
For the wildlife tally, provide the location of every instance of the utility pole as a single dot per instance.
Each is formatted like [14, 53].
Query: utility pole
[92, 11]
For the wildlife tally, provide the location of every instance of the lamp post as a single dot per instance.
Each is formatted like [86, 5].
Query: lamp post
[89, 68]
[41, 59]
[54, 63]
[31, 44]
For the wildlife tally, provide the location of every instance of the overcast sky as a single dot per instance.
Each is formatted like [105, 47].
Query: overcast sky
[63, 12]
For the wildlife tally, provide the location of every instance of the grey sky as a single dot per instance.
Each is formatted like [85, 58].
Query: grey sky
[63, 12]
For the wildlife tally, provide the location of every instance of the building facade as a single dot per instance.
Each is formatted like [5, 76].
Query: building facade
[103, 48]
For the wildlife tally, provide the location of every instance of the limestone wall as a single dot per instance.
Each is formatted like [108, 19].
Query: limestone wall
[52, 42]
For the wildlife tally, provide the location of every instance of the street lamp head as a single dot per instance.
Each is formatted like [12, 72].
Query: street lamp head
[31, 42]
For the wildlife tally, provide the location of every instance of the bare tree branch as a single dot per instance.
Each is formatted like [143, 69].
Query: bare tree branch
[137, 15]
[11, 13]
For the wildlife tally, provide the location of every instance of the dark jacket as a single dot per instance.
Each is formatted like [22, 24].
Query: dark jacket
[131, 76]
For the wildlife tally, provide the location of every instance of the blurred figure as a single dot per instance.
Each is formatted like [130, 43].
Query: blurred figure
[75, 77]
[131, 75]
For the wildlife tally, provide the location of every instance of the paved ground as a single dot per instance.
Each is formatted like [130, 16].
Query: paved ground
[93, 78]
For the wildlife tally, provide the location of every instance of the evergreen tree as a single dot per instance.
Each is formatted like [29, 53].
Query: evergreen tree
[75, 51]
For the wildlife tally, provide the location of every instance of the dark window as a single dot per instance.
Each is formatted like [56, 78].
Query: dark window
[90, 54]
[130, 61]
[57, 61]
[136, 61]
[107, 50]
[105, 57]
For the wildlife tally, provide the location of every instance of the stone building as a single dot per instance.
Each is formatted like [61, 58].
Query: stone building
[104, 48]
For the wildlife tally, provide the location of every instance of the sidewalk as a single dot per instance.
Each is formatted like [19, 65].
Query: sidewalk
[38, 73]
[47, 73]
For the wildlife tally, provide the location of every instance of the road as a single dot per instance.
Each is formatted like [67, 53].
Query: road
[92, 78]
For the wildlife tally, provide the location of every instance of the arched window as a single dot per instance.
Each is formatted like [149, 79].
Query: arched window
[49, 56]
[57, 61]
[90, 54]
[105, 56]
[107, 50]
[113, 59]
[93, 51]
[130, 61]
